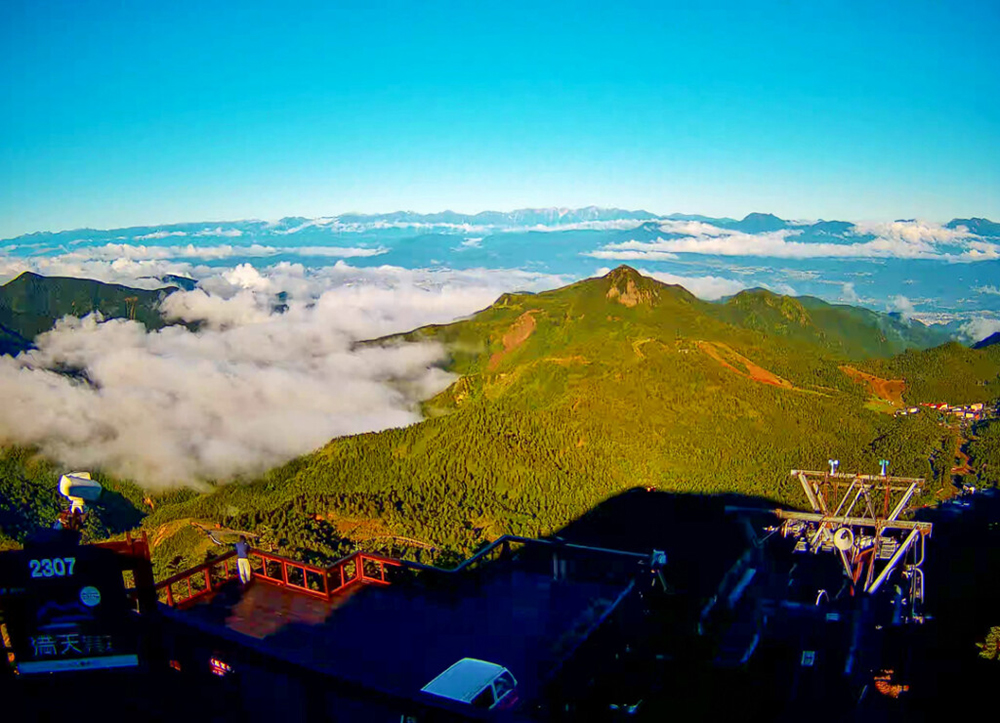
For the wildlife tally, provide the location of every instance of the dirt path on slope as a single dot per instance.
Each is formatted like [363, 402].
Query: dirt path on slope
[728, 358]
[891, 390]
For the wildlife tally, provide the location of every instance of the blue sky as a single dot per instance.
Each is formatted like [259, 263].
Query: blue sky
[117, 114]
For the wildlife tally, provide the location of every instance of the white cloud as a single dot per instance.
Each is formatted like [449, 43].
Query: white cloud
[979, 328]
[849, 294]
[335, 251]
[704, 287]
[219, 231]
[903, 305]
[990, 290]
[216, 312]
[632, 255]
[135, 265]
[160, 234]
[139, 252]
[775, 244]
[910, 240]
[142, 266]
[914, 232]
[246, 276]
[176, 406]
[692, 228]
[803, 275]
[981, 251]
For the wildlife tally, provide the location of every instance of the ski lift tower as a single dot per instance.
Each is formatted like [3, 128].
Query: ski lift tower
[857, 517]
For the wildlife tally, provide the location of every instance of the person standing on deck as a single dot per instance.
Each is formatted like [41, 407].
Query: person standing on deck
[243, 560]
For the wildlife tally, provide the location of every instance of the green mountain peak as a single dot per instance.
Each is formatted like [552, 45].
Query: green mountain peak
[628, 287]
[774, 306]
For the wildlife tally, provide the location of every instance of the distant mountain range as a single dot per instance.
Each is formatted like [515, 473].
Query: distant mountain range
[520, 217]
[527, 218]
[978, 226]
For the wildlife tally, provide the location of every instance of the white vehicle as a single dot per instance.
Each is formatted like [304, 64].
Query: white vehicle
[480, 684]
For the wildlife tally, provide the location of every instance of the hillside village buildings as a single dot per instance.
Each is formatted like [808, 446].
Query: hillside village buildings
[962, 412]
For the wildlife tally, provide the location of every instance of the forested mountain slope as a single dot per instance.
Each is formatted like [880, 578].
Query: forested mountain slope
[31, 304]
[949, 373]
[570, 396]
[11, 342]
[850, 331]
[566, 398]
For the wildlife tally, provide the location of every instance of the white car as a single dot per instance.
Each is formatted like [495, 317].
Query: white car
[483, 685]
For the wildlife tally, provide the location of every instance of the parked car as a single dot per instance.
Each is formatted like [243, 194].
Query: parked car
[477, 683]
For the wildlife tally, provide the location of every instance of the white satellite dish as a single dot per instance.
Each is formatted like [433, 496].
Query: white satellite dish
[79, 489]
[843, 539]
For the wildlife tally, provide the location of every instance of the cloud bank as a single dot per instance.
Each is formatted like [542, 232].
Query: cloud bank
[979, 328]
[900, 239]
[258, 383]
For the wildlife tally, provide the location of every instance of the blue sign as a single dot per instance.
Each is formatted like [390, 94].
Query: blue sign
[66, 609]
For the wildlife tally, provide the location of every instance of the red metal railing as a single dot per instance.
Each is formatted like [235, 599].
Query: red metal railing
[187, 587]
[358, 567]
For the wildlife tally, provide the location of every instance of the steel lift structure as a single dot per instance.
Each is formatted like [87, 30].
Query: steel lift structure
[857, 517]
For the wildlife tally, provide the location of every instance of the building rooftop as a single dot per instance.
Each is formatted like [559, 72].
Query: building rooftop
[399, 637]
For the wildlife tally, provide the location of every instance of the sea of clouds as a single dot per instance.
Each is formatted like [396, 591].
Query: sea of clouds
[258, 383]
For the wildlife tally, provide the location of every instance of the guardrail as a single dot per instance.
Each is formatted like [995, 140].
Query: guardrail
[187, 587]
[197, 581]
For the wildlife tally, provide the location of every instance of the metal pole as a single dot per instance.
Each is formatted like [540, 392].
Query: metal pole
[843, 499]
[810, 494]
[897, 510]
[887, 570]
[850, 509]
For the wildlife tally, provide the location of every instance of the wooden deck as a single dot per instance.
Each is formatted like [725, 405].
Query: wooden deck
[401, 636]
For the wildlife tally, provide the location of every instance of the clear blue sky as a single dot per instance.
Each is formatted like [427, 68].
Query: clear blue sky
[128, 113]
